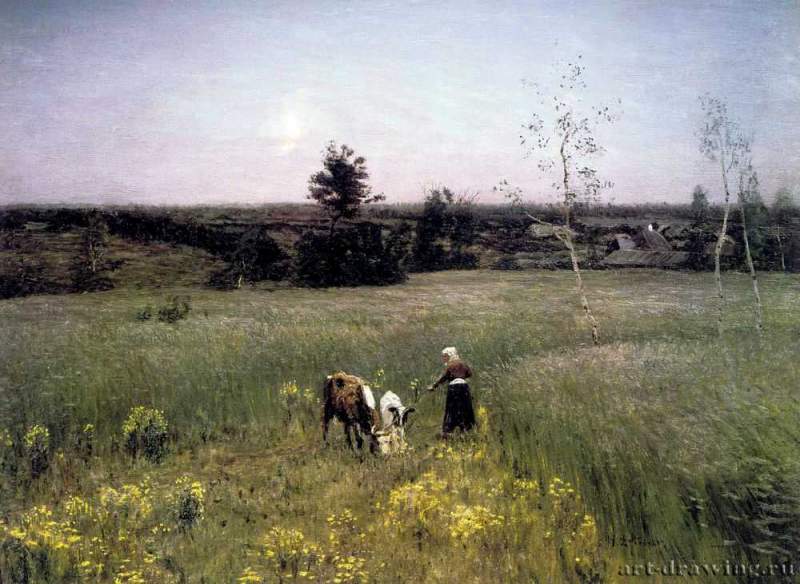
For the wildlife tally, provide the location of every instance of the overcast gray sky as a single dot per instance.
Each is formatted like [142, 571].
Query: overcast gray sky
[233, 101]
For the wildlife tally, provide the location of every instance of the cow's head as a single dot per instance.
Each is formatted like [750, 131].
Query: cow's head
[340, 381]
[400, 416]
[390, 440]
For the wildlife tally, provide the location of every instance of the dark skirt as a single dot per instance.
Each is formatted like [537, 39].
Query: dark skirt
[458, 412]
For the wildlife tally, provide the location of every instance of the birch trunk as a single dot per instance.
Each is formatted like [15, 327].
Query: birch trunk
[780, 249]
[718, 248]
[92, 253]
[567, 239]
[717, 274]
[564, 235]
[759, 315]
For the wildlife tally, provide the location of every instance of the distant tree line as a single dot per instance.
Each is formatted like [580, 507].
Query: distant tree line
[444, 234]
[772, 232]
[348, 253]
[441, 233]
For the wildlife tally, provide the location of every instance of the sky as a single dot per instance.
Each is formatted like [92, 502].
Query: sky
[233, 101]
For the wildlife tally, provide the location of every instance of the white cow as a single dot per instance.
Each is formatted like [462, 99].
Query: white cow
[394, 415]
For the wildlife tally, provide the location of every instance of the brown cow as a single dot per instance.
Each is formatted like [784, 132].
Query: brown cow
[349, 399]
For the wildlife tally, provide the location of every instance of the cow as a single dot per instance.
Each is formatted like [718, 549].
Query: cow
[349, 399]
[394, 415]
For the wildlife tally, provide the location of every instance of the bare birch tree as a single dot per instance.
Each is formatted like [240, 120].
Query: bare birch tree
[561, 135]
[781, 216]
[721, 141]
[776, 231]
[748, 189]
[90, 265]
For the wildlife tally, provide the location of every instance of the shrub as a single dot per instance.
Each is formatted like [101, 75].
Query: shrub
[91, 266]
[144, 314]
[297, 399]
[700, 206]
[289, 553]
[432, 225]
[188, 502]
[145, 433]
[696, 244]
[445, 218]
[37, 449]
[469, 521]
[24, 276]
[177, 308]
[463, 225]
[360, 255]
[84, 280]
[254, 258]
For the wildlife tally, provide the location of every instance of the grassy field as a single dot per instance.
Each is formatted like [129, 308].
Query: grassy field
[664, 443]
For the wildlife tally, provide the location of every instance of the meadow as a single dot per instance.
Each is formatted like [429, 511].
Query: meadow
[665, 443]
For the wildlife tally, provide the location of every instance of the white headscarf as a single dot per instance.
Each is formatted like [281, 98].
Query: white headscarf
[450, 353]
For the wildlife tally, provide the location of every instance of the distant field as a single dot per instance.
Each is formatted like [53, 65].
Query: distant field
[149, 265]
[664, 443]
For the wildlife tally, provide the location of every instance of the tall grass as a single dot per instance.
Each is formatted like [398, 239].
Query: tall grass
[667, 442]
[681, 446]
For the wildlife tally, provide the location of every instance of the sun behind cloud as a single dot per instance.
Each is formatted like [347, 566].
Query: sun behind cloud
[285, 129]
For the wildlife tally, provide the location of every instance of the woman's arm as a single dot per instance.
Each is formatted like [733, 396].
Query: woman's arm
[446, 376]
[441, 380]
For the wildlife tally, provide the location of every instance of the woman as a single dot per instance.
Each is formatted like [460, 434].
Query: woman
[458, 412]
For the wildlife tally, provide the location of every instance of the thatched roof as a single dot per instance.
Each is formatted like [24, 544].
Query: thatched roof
[624, 241]
[649, 259]
[652, 240]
